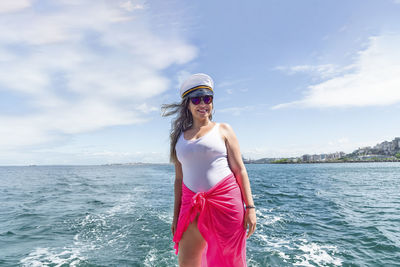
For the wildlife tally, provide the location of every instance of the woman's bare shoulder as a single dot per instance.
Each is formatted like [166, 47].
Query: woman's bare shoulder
[226, 127]
[226, 130]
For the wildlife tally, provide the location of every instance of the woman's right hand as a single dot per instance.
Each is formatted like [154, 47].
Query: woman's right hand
[173, 226]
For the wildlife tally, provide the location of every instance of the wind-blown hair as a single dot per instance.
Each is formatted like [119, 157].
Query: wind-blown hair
[182, 121]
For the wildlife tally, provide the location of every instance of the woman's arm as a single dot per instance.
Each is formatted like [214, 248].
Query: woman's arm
[178, 194]
[239, 170]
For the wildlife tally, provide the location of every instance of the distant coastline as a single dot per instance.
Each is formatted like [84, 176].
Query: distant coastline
[387, 151]
[131, 163]
[290, 161]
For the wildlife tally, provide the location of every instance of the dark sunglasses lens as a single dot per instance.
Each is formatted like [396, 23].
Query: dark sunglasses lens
[207, 99]
[195, 100]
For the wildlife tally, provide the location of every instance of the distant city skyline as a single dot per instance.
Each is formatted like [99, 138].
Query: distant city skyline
[387, 147]
[82, 82]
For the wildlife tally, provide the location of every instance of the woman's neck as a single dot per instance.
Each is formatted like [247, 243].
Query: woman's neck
[197, 124]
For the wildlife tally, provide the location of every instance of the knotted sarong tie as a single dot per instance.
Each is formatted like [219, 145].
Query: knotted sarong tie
[198, 201]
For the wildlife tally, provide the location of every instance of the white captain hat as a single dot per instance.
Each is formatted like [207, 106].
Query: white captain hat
[197, 85]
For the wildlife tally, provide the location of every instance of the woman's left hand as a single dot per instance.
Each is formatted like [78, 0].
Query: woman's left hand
[250, 220]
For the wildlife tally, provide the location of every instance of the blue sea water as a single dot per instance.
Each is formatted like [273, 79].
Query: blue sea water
[308, 215]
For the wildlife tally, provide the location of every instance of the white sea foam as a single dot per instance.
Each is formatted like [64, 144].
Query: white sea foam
[265, 218]
[150, 257]
[124, 206]
[91, 237]
[272, 220]
[49, 256]
[165, 217]
[284, 256]
[272, 243]
[288, 250]
[95, 233]
[252, 263]
[322, 255]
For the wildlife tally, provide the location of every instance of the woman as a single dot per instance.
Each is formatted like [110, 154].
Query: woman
[211, 182]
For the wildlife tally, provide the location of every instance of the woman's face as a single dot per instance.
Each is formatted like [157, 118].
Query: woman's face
[200, 111]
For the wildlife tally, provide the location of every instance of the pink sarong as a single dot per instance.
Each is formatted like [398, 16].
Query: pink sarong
[221, 222]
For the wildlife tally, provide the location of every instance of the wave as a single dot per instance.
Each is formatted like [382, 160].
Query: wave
[47, 256]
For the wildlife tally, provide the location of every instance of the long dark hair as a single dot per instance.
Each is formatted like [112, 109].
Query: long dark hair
[182, 122]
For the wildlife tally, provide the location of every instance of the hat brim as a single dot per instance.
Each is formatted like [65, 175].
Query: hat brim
[201, 92]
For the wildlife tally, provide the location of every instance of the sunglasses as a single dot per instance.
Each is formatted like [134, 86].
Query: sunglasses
[197, 99]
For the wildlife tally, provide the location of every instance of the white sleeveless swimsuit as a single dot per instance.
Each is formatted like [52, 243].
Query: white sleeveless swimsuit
[204, 160]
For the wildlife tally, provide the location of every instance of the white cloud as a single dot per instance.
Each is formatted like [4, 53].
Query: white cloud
[146, 108]
[81, 66]
[182, 76]
[232, 82]
[236, 111]
[374, 79]
[13, 5]
[229, 91]
[129, 6]
[233, 86]
[321, 71]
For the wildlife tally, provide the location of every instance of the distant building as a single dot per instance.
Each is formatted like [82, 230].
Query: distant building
[397, 143]
[322, 157]
[306, 158]
[388, 148]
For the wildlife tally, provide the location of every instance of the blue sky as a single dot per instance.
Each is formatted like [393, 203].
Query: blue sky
[82, 82]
